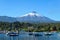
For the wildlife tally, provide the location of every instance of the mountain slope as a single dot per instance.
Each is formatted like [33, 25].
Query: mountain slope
[33, 17]
[7, 19]
[30, 17]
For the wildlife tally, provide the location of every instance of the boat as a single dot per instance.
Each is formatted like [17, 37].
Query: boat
[12, 34]
[30, 33]
[37, 34]
[48, 33]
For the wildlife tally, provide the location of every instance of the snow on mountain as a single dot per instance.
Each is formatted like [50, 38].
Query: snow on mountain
[30, 17]
[34, 17]
[31, 14]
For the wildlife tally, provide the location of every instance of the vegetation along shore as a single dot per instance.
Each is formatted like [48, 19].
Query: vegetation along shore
[29, 27]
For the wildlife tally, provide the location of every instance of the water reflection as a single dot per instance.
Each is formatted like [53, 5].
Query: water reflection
[26, 36]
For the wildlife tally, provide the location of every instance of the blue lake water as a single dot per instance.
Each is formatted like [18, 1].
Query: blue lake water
[26, 36]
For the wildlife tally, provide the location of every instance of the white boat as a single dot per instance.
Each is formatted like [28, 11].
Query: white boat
[12, 33]
[48, 33]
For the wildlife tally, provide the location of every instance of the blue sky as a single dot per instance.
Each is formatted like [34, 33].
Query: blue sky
[16, 8]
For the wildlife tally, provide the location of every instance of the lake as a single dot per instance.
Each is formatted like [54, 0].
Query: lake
[26, 36]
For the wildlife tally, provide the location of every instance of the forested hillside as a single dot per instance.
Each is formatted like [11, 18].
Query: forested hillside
[31, 27]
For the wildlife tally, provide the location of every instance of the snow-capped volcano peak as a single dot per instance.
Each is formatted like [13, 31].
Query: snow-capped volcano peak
[31, 14]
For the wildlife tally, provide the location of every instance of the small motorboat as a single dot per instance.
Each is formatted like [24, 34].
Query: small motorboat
[38, 34]
[48, 34]
[30, 33]
[12, 34]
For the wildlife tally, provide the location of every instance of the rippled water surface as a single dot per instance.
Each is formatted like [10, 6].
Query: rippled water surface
[26, 36]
